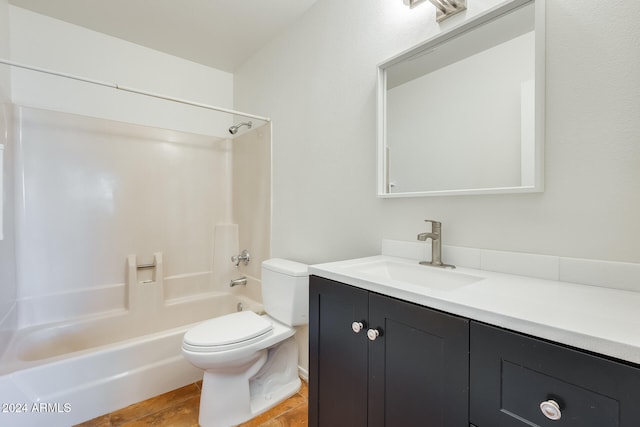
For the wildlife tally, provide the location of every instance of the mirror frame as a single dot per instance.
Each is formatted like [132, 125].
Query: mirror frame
[458, 30]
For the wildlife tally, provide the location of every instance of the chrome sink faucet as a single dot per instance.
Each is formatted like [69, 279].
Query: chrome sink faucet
[436, 245]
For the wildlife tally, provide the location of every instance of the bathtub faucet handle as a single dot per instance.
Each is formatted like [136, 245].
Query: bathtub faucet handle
[244, 257]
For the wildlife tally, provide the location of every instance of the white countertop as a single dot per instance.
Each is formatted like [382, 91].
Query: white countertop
[598, 319]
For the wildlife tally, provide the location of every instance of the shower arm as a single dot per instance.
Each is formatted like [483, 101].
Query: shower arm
[234, 129]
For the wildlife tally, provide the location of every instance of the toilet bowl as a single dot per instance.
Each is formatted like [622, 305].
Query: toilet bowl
[250, 360]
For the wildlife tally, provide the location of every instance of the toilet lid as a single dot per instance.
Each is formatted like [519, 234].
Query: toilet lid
[227, 331]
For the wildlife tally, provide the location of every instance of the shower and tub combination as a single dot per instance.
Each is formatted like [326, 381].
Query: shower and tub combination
[124, 239]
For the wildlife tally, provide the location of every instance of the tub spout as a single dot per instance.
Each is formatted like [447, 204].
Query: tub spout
[236, 282]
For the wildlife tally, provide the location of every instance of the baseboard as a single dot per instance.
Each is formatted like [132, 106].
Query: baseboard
[304, 374]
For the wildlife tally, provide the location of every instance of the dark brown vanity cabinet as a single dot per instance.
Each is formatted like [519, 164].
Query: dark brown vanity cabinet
[519, 381]
[378, 361]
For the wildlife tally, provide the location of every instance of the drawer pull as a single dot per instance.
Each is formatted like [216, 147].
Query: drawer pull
[373, 334]
[551, 409]
[357, 326]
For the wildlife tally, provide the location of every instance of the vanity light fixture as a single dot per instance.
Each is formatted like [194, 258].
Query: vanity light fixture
[444, 8]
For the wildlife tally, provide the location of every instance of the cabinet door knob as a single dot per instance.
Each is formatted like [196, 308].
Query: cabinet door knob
[551, 409]
[373, 334]
[357, 326]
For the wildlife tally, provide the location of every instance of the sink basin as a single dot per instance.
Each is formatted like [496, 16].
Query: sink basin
[416, 274]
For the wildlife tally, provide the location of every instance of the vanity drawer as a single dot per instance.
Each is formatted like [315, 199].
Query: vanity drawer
[515, 377]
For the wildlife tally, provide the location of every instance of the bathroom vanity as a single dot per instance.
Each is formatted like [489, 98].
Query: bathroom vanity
[393, 343]
[381, 353]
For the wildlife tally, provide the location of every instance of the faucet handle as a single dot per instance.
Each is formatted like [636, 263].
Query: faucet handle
[245, 257]
[435, 225]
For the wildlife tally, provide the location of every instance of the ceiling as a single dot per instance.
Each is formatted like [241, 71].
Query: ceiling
[218, 33]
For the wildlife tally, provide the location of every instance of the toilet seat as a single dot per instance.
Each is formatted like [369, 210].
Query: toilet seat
[227, 332]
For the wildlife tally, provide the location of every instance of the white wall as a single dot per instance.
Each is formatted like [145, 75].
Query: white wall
[317, 81]
[7, 252]
[93, 192]
[45, 42]
[5, 82]
[251, 200]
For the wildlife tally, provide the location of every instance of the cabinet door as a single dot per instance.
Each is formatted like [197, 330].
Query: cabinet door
[419, 366]
[513, 374]
[337, 355]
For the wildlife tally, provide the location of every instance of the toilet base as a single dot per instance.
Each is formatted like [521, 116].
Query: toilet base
[263, 404]
[229, 399]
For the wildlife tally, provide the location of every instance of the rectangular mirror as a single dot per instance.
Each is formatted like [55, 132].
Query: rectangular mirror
[463, 112]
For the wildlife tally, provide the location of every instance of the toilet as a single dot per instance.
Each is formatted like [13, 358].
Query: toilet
[250, 360]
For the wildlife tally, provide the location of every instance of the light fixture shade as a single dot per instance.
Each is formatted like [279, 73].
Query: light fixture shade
[447, 8]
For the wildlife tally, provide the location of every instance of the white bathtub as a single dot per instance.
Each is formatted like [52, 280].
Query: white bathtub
[64, 374]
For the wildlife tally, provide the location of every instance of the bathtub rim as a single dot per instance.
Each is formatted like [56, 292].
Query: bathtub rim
[10, 360]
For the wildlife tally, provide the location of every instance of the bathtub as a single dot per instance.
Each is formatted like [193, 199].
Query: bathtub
[63, 374]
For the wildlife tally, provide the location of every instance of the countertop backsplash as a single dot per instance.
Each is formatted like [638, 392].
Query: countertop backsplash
[608, 274]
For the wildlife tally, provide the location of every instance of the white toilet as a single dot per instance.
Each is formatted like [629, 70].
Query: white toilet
[251, 361]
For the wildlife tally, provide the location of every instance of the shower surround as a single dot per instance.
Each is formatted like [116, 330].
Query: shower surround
[94, 200]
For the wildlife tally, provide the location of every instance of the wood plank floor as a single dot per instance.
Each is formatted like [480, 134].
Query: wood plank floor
[179, 408]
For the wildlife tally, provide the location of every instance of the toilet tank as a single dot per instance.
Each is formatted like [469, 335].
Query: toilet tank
[285, 291]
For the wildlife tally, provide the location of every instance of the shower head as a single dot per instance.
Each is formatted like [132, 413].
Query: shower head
[234, 129]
